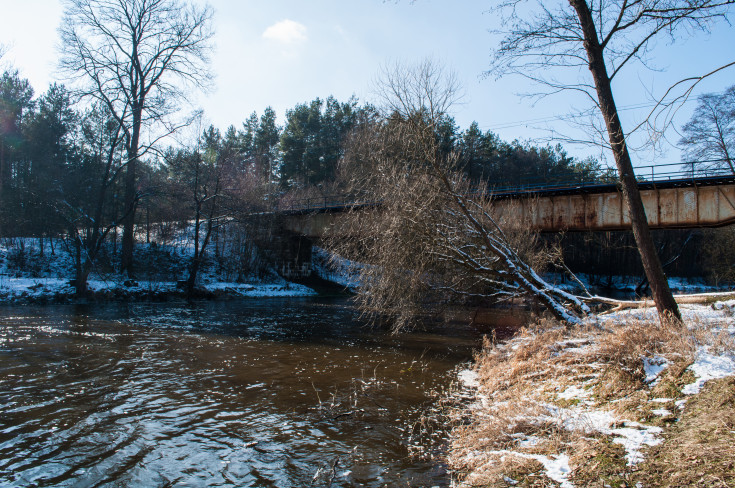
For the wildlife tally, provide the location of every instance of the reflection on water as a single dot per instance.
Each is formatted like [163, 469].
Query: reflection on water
[263, 393]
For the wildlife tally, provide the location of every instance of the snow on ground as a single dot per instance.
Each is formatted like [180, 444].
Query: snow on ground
[260, 290]
[468, 378]
[13, 289]
[627, 284]
[633, 436]
[588, 417]
[556, 467]
[28, 275]
[653, 367]
[336, 269]
[710, 367]
[718, 314]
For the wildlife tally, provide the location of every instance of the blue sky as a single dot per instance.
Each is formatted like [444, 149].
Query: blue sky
[284, 52]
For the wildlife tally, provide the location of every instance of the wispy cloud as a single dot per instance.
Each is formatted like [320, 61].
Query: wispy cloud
[286, 32]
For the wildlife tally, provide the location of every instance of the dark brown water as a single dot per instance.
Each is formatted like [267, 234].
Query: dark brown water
[282, 393]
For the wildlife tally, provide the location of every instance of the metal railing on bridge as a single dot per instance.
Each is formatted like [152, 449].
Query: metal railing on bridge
[651, 174]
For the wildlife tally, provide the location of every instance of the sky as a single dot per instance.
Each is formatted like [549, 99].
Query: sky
[283, 52]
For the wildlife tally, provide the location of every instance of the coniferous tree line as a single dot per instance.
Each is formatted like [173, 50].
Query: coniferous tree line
[62, 170]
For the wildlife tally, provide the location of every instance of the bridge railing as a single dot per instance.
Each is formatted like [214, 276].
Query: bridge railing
[329, 202]
[649, 173]
[554, 181]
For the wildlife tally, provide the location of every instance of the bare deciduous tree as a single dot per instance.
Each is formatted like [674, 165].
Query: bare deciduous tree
[709, 137]
[138, 58]
[569, 37]
[430, 239]
[86, 210]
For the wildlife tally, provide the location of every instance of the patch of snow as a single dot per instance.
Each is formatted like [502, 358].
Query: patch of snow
[556, 467]
[709, 367]
[530, 441]
[335, 268]
[588, 421]
[574, 392]
[661, 412]
[261, 290]
[693, 314]
[468, 378]
[625, 283]
[634, 436]
[726, 306]
[653, 367]
[661, 400]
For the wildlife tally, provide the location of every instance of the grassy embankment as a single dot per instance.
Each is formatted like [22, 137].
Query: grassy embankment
[623, 401]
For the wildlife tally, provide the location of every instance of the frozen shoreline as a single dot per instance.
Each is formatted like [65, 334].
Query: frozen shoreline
[51, 290]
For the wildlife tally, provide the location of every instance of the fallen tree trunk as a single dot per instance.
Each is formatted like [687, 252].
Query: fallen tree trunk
[694, 298]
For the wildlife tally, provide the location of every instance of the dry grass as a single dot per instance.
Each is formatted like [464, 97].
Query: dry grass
[699, 450]
[535, 389]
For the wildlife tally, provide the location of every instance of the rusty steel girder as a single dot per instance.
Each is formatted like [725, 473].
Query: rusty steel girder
[666, 208]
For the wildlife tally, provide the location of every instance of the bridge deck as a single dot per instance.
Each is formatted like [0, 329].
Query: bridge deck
[341, 203]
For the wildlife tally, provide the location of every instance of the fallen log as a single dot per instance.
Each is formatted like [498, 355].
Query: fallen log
[694, 298]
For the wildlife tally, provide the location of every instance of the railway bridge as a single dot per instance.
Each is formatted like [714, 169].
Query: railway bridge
[672, 200]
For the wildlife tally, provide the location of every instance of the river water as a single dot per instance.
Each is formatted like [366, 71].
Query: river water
[281, 393]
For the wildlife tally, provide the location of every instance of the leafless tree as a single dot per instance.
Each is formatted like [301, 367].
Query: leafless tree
[86, 210]
[709, 137]
[430, 238]
[138, 58]
[543, 41]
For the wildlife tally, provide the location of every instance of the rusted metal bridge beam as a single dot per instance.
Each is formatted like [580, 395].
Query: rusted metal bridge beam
[601, 208]
[666, 208]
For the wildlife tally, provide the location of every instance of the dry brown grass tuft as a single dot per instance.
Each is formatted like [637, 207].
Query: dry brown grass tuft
[699, 450]
[510, 471]
[529, 384]
[599, 463]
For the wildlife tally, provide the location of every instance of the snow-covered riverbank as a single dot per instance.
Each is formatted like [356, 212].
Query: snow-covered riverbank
[608, 404]
[29, 276]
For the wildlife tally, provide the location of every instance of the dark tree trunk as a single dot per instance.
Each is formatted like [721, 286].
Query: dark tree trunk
[82, 268]
[194, 268]
[662, 296]
[130, 198]
[2, 180]
[126, 258]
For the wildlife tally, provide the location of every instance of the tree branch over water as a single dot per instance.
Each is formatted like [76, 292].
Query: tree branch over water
[432, 240]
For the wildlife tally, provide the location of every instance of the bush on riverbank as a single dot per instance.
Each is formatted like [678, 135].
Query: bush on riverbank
[613, 403]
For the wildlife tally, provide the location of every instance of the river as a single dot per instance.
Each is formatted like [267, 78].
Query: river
[255, 393]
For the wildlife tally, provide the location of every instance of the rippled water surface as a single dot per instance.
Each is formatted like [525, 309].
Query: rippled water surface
[264, 393]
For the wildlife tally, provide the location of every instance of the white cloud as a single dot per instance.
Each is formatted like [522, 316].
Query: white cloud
[286, 32]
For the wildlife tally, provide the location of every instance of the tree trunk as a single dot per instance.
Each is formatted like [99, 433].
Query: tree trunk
[2, 180]
[130, 200]
[82, 269]
[126, 258]
[662, 296]
[194, 269]
[192, 279]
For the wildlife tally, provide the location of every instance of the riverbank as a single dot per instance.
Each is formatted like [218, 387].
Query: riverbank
[622, 401]
[30, 273]
[56, 290]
